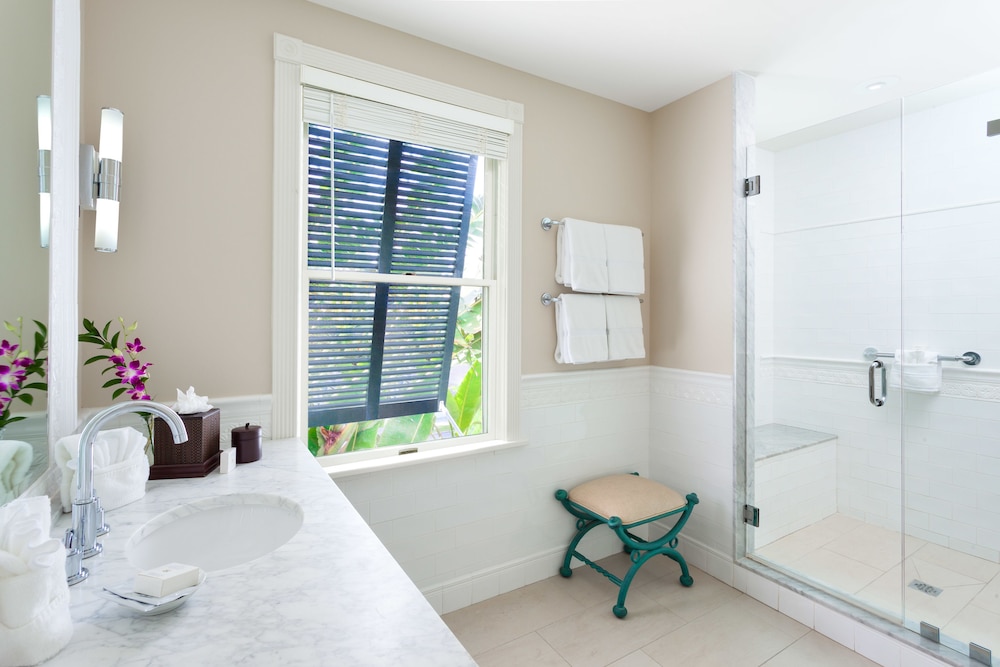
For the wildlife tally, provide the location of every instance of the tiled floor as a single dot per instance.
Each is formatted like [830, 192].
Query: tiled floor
[561, 622]
[848, 555]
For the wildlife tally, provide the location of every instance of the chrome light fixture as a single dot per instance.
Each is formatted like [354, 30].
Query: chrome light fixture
[44, 155]
[100, 179]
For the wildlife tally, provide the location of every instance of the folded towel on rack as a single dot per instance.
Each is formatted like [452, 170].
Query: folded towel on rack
[624, 327]
[916, 370]
[581, 329]
[581, 256]
[626, 274]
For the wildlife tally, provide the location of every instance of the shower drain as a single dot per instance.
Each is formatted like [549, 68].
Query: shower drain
[918, 585]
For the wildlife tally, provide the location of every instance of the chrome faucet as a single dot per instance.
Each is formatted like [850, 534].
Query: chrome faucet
[88, 517]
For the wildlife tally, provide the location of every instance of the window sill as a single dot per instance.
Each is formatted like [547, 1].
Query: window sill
[336, 470]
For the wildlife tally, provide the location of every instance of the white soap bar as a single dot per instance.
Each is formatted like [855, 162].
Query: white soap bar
[166, 579]
[227, 461]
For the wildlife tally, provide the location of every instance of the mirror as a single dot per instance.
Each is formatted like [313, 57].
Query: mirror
[25, 73]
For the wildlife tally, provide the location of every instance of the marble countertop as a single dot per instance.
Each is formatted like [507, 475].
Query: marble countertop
[332, 595]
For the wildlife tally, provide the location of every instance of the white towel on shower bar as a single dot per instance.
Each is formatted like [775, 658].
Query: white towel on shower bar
[581, 329]
[626, 274]
[581, 256]
[624, 327]
[916, 370]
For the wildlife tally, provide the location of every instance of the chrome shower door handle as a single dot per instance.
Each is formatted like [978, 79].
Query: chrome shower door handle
[877, 402]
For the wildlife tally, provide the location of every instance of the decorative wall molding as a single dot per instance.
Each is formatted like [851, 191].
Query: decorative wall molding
[547, 389]
[708, 388]
[968, 383]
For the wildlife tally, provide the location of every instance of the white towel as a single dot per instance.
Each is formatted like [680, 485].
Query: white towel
[916, 370]
[626, 272]
[15, 461]
[35, 622]
[581, 256]
[581, 329]
[624, 327]
[121, 467]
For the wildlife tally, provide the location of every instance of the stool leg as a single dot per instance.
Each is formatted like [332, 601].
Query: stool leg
[584, 528]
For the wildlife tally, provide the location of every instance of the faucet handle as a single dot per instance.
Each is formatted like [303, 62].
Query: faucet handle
[102, 527]
[75, 571]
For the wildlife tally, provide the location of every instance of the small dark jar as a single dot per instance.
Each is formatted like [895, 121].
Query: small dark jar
[247, 442]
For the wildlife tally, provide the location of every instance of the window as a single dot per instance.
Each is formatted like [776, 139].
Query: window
[401, 256]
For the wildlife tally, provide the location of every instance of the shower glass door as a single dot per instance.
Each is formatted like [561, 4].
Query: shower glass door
[825, 462]
[873, 448]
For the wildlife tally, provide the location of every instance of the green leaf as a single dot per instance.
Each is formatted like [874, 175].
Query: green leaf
[104, 333]
[99, 357]
[465, 404]
[406, 430]
[118, 392]
[27, 398]
[366, 437]
[110, 383]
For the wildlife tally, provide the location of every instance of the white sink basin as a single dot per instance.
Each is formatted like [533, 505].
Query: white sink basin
[216, 533]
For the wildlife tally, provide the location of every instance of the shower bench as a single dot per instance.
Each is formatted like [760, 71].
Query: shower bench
[623, 502]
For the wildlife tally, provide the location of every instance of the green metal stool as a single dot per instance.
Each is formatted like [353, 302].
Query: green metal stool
[622, 502]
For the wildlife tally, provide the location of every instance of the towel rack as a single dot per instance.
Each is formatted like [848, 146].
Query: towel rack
[547, 224]
[969, 358]
[547, 299]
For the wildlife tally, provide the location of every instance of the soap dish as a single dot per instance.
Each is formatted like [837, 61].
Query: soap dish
[147, 605]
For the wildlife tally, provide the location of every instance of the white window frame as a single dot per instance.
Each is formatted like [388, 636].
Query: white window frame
[296, 61]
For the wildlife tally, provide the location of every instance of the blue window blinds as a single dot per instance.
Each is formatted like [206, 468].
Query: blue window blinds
[377, 348]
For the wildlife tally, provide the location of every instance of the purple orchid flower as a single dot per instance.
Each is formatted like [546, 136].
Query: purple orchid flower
[134, 347]
[10, 379]
[7, 348]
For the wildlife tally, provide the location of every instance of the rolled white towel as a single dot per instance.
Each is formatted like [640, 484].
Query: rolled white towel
[35, 622]
[121, 467]
[15, 461]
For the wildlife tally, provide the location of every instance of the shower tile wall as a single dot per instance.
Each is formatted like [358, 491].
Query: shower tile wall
[828, 285]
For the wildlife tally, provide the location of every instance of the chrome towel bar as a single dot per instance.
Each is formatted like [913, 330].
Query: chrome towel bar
[969, 358]
[547, 299]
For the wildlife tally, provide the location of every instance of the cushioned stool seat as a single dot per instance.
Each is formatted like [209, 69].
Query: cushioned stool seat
[622, 502]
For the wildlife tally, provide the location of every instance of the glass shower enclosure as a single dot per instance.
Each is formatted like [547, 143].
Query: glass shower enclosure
[873, 361]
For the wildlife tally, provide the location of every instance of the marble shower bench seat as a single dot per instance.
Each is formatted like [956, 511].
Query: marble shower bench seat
[795, 472]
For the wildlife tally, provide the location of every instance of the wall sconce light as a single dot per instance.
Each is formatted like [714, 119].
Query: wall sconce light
[44, 155]
[100, 179]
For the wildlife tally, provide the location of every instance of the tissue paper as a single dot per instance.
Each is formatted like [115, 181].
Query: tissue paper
[188, 403]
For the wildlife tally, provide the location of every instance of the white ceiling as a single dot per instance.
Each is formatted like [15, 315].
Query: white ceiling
[811, 58]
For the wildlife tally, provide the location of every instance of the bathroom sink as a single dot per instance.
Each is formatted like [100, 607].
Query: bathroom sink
[216, 533]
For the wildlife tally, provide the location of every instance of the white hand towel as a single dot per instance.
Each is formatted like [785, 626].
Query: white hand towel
[15, 461]
[582, 258]
[581, 329]
[35, 622]
[916, 370]
[626, 272]
[624, 327]
[121, 467]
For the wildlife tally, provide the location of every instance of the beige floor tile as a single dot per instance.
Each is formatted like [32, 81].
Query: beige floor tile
[743, 633]
[815, 650]
[835, 571]
[989, 597]
[801, 542]
[973, 567]
[497, 621]
[527, 650]
[874, 546]
[635, 659]
[707, 594]
[597, 637]
[885, 594]
[977, 625]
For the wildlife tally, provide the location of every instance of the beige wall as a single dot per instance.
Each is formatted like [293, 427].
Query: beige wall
[25, 70]
[692, 315]
[195, 81]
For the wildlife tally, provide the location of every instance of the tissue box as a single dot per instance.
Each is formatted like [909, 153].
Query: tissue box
[196, 457]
